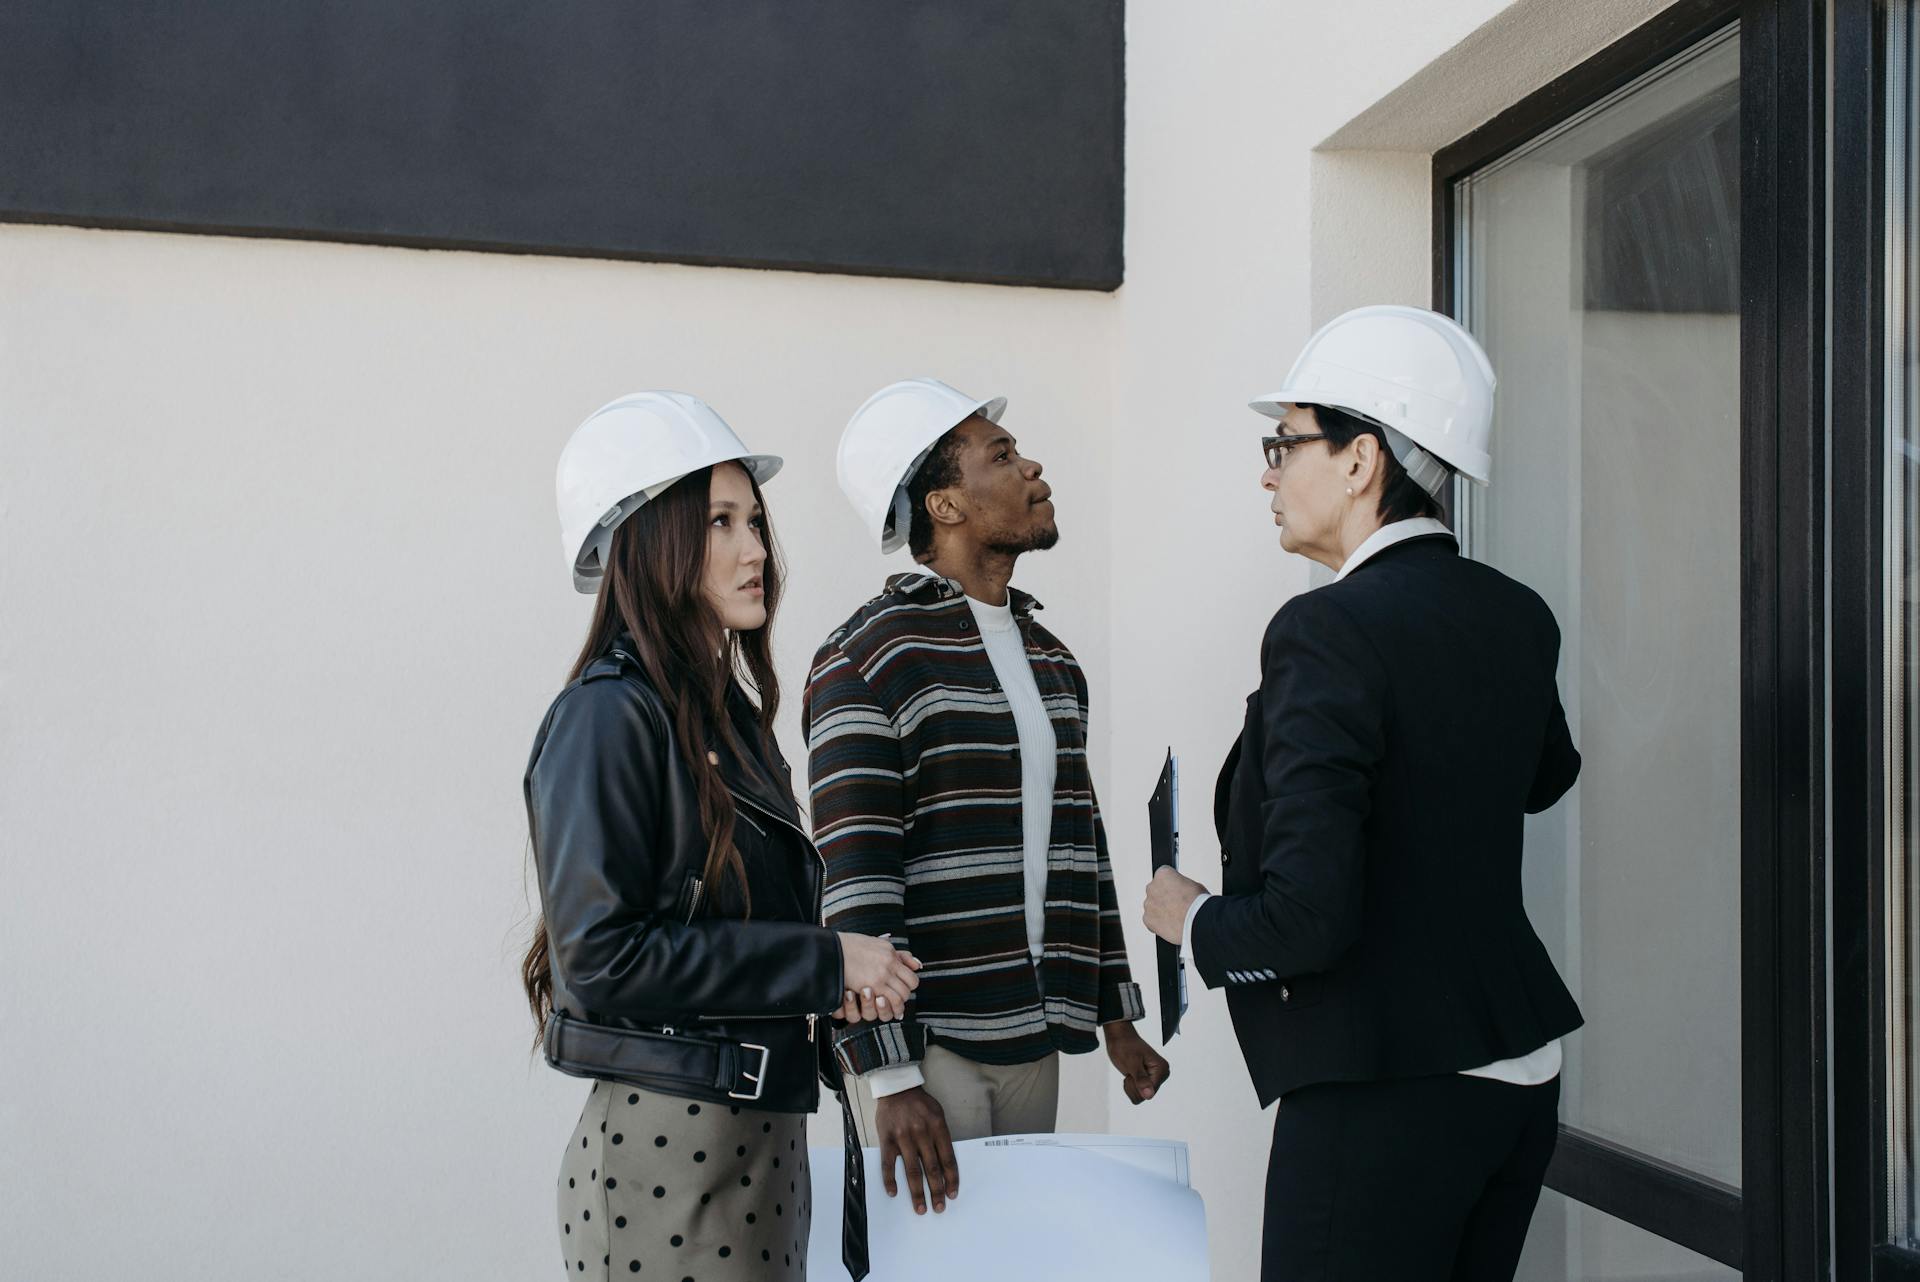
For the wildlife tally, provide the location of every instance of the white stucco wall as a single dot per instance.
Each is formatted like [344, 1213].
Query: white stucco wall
[283, 602]
[1254, 214]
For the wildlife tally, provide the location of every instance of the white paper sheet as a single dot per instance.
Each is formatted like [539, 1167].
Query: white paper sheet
[1164, 1158]
[1063, 1208]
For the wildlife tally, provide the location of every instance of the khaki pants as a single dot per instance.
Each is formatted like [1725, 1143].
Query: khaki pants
[978, 1099]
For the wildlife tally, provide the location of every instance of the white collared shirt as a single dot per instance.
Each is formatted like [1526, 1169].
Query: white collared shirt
[1419, 527]
[1538, 1066]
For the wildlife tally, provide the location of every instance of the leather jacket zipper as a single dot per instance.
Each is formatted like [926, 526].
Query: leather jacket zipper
[819, 891]
[820, 887]
[813, 1022]
[741, 1019]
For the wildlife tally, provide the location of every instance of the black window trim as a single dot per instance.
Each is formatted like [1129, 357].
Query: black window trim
[1776, 1226]
[1859, 429]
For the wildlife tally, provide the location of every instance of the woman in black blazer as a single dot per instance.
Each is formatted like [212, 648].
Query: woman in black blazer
[1380, 969]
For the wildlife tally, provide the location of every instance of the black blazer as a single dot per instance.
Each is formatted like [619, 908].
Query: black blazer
[1370, 820]
[637, 940]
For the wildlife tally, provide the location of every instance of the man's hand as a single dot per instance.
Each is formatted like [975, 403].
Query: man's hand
[913, 1126]
[1142, 1066]
[1169, 895]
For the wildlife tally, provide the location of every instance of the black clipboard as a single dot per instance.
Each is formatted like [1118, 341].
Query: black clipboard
[1163, 827]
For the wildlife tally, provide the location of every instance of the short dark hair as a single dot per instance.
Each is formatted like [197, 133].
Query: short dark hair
[1401, 498]
[940, 470]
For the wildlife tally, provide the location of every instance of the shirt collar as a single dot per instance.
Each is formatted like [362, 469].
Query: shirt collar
[1419, 527]
[921, 583]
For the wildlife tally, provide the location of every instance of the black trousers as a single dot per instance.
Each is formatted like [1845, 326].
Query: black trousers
[1431, 1179]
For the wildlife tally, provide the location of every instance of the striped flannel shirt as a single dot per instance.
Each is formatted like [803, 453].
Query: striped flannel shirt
[914, 762]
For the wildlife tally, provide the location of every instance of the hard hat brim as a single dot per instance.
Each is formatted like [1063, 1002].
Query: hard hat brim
[1473, 465]
[586, 578]
[891, 537]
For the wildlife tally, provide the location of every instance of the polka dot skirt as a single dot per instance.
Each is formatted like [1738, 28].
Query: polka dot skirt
[653, 1186]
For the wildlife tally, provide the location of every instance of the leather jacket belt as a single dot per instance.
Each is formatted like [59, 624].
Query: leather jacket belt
[670, 1062]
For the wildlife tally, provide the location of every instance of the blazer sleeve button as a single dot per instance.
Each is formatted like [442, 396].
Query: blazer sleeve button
[1285, 994]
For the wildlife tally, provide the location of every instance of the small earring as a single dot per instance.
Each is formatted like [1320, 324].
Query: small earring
[1349, 489]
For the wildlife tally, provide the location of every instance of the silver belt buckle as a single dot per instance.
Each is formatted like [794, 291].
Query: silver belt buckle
[759, 1079]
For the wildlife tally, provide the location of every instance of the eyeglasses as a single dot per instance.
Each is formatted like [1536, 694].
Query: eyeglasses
[1277, 448]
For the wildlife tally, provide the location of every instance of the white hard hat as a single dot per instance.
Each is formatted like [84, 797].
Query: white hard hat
[886, 441]
[1414, 372]
[629, 451]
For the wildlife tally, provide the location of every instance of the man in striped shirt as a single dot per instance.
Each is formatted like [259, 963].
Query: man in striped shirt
[952, 802]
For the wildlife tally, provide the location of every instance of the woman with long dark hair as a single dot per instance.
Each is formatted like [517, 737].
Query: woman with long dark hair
[679, 962]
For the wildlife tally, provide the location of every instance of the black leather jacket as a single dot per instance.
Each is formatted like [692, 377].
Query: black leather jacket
[636, 940]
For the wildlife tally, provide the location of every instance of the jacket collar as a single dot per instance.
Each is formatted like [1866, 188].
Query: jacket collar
[758, 780]
[743, 777]
[925, 586]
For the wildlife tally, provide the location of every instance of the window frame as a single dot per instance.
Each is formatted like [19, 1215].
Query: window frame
[1776, 1226]
[1861, 219]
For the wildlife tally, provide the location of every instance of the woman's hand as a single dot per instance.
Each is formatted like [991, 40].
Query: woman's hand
[1169, 895]
[880, 978]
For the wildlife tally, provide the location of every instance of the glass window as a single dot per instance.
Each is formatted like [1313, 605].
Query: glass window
[1599, 265]
[1571, 1242]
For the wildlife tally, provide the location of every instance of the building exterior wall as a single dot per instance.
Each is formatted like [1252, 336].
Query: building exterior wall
[284, 602]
